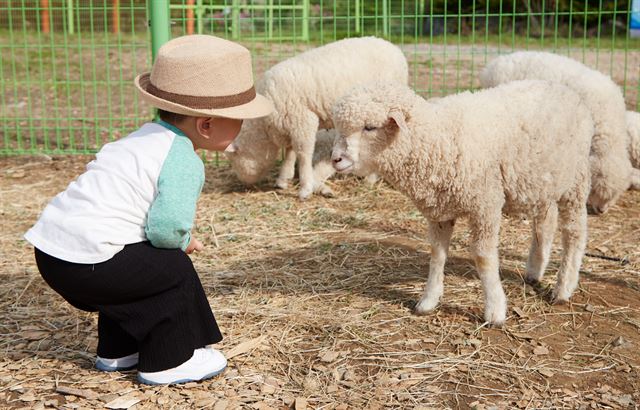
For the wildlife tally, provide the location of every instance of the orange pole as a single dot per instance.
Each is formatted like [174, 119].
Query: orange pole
[44, 16]
[116, 16]
[190, 19]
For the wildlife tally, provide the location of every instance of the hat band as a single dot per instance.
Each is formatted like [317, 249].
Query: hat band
[191, 101]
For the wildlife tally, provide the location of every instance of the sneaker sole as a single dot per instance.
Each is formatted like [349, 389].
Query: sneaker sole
[207, 376]
[104, 368]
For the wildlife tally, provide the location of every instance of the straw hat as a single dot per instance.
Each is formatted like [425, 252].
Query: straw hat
[201, 76]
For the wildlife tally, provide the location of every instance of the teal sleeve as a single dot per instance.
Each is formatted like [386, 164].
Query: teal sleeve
[172, 212]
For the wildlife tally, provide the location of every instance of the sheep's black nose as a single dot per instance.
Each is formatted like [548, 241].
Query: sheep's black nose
[336, 160]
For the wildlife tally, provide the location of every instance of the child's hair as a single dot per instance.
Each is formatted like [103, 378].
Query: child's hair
[171, 117]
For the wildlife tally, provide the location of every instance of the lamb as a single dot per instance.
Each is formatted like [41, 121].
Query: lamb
[519, 148]
[611, 171]
[303, 89]
[633, 133]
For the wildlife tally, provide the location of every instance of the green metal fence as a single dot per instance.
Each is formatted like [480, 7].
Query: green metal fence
[66, 66]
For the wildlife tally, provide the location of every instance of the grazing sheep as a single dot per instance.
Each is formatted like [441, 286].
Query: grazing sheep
[520, 148]
[633, 132]
[610, 167]
[303, 89]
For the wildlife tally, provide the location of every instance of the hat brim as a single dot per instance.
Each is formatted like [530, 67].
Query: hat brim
[260, 106]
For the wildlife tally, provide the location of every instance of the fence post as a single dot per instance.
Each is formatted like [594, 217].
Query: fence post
[70, 28]
[44, 16]
[385, 18]
[190, 4]
[160, 24]
[270, 20]
[199, 16]
[115, 14]
[358, 16]
[305, 20]
[235, 19]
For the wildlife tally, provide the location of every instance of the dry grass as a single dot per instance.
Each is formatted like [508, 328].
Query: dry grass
[315, 298]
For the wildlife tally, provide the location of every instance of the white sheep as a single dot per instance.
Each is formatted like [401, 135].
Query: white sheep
[303, 89]
[633, 133]
[520, 148]
[611, 170]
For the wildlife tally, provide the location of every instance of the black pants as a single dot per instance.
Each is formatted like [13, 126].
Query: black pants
[149, 300]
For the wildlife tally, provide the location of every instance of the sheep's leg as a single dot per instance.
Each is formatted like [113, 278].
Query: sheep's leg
[485, 239]
[573, 220]
[303, 139]
[287, 170]
[322, 171]
[440, 236]
[544, 226]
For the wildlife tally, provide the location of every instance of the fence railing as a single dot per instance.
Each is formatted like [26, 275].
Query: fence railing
[66, 66]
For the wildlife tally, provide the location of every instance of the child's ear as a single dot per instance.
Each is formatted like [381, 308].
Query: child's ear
[204, 126]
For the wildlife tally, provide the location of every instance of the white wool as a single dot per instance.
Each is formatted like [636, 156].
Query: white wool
[611, 171]
[303, 89]
[519, 148]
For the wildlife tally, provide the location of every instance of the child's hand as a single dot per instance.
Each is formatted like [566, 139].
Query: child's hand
[194, 245]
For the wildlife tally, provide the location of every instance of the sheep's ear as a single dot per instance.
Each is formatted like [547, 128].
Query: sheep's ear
[396, 118]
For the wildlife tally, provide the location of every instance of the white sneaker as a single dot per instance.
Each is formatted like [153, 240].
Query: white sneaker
[205, 363]
[119, 364]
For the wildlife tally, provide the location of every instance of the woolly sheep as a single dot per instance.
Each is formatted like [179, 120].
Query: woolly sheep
[303, 89]
[520, 148]
[633, 132]
[610, 167]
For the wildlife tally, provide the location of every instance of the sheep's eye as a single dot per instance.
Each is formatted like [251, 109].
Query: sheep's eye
[369, 128]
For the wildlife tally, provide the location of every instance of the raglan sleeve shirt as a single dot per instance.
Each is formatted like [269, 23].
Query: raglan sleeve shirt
[141, 187]
[173, 210]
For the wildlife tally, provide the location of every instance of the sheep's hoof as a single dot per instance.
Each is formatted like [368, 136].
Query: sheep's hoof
[425, 306]
[495, 316]
[531, 280]
[305, 193]
[326, 192]
[561, 296]
[559, 302]
[282, 184]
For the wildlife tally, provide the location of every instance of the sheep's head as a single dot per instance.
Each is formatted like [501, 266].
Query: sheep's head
[252, 153]
[369, 119]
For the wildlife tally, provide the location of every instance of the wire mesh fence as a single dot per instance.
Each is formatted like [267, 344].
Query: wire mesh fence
[66, 66]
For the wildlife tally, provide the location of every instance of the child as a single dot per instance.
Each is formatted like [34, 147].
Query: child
[116, 240]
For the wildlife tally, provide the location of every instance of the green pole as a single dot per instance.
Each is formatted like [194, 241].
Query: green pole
[159, 23]
[358, 16]
[421, 17]
[199, 16]
[385, 18]
[235, 19]
[305, 20]
[70, 16]
[270, 18]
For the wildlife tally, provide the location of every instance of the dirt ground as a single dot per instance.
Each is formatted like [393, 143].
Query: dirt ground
[315, 301]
